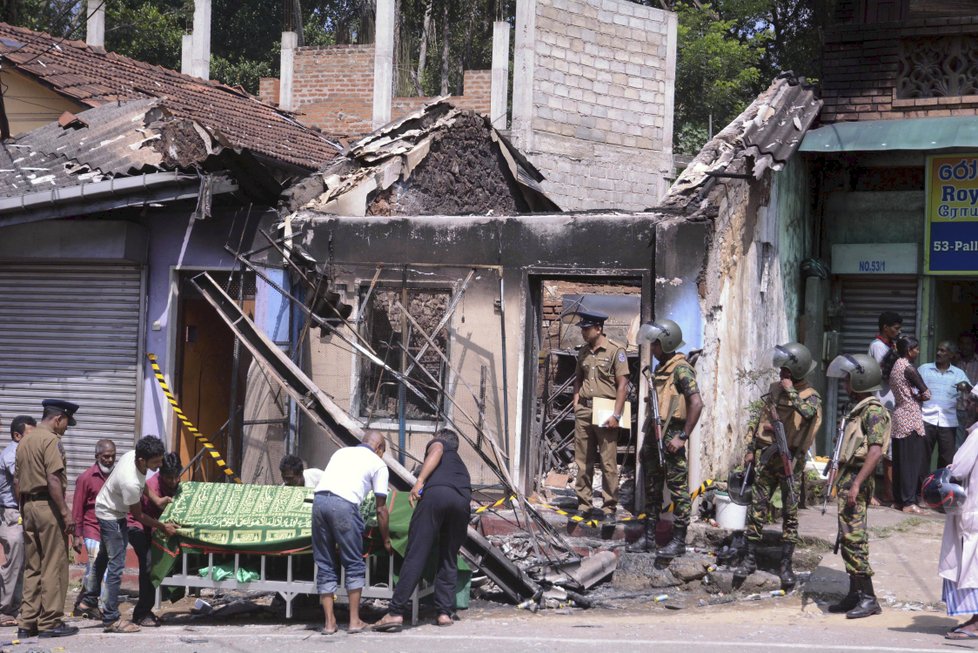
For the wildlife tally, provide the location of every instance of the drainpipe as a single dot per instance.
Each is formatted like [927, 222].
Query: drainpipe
[499, 92]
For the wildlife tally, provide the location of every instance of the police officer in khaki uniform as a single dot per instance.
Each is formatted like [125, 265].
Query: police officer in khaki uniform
[41, 483]
[602, 371]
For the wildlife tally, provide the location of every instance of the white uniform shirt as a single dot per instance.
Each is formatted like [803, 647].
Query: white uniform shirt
[353, 472]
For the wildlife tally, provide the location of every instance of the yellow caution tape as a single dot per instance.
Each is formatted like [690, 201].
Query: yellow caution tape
[596, 523]
[187, 424]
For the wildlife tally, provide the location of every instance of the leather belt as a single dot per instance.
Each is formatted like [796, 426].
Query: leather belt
[35, 496]
[587, 403]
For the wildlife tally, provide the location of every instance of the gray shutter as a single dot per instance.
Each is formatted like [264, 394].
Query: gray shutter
[72, 332]
[863, 299]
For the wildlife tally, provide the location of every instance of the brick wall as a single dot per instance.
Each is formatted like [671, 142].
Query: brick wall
[333, 89]
[862, 66]
[600, 125]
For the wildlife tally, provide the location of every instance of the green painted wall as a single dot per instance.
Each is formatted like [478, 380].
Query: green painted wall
[790, 199]
[874, 217]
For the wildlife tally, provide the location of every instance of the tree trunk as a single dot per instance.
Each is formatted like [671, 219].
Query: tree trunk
[292, 19]
[445, 50]
[423, 52]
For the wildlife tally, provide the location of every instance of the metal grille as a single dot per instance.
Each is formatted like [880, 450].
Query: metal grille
[863, 299]
[72, 332]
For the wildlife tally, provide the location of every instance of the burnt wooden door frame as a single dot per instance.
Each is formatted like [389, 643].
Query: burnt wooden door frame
[532, 285]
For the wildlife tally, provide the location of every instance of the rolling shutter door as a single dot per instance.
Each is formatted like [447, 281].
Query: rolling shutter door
[72, 332]
[863, 299]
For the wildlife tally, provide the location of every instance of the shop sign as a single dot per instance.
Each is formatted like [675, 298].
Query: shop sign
[952, 214]
[875, 258]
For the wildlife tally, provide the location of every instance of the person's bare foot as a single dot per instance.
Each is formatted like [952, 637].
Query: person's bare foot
[357, 627]
[329, 628]
[444, 620]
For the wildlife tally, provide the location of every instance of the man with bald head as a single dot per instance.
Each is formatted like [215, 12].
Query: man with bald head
[351, 474]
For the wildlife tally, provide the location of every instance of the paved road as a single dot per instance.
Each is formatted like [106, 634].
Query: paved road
[768, 626]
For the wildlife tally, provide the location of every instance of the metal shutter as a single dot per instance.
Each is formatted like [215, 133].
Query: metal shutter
[72, 332]
[863, 299]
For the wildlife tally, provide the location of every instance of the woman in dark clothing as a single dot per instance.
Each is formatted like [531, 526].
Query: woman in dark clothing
[909, 449]
[442, 497]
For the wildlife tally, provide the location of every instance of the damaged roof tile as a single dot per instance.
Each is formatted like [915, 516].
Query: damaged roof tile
[97, 78]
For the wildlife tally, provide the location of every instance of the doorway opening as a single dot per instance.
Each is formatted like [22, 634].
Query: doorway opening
[555, 345]
[211, 375]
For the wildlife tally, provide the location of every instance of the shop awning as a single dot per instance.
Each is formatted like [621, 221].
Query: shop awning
[877, 135]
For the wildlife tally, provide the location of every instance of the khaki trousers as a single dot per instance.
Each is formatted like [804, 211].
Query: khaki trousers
[591, 445]
[46, 567]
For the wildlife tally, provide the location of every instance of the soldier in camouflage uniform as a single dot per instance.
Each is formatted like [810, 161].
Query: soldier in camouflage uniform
[680, 405]
[799, 408]
[866, 436]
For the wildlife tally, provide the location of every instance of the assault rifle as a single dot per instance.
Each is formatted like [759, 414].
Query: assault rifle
[655, 418]
[832, 468]
[781, 442]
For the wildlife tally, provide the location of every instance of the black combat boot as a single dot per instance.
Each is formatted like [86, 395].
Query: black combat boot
[787, 574]
[748, 565]
[850, 600]
[867, 605]
[646, 541]
[677, 545]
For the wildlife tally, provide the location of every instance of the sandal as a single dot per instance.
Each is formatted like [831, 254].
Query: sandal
[87, 611]
[122, 626]
[961, 633]
[148, 621]
[7, 620]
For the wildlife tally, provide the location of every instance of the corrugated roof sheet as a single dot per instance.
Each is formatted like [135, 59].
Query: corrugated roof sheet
[768, 131]
[96, 78]
[110, 141]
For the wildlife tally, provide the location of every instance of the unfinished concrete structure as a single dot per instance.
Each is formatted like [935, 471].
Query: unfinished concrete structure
[593, 95]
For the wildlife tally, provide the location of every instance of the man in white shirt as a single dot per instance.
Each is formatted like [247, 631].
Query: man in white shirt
[940, 411]
[352, 472]
[296, 474]
[122, 494]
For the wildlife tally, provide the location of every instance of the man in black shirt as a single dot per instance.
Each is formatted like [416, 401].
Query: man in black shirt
[442, 497]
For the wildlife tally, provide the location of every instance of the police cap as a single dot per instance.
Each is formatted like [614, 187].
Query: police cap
[591, 318]
[67, 408]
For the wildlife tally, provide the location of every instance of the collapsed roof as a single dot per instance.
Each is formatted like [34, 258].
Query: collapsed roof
[439, 160]
[767, 134]
[122, 140]
[95, 78]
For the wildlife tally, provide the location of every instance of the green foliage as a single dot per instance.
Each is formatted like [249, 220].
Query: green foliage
[147, 31]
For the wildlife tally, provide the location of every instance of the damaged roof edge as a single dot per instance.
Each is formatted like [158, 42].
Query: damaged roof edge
[112, 186]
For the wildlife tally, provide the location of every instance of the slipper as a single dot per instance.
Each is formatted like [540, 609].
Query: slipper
[8, 622]
[354, 631]
[960, 633]
[329, 632]
[444, 624]
[392, 627]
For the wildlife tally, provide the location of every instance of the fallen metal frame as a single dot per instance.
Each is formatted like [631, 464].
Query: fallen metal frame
[346, 431]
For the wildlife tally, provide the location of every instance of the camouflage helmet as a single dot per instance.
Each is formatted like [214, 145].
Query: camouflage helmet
[793, 356]
[667, 332]
[863, 371]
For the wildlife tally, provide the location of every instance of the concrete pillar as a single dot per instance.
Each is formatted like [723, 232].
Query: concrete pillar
[499, 95]
[201, 51]
[290, 41]
[95, 27]
[187, 54]
[524, 60]
[383, 63]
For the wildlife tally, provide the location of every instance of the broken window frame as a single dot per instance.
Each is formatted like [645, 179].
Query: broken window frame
[368, 373]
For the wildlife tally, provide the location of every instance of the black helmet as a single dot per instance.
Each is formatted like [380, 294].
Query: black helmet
[740, 492]
[942, 493]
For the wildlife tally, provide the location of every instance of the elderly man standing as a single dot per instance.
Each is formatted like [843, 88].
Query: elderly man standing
[337, 527]
[40, 483]
[11, 530]
[87, 486]
[941, 410]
